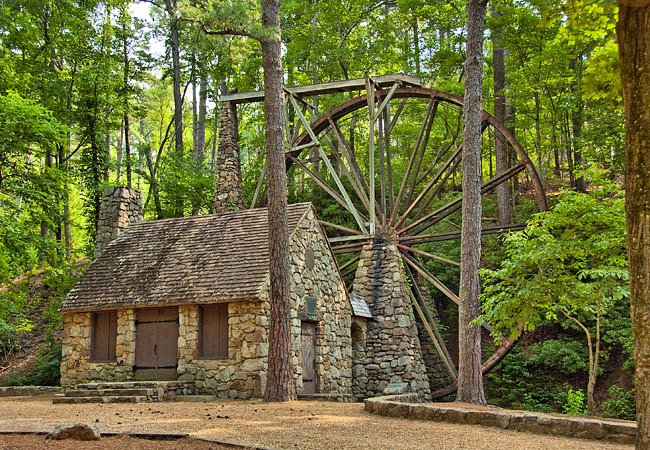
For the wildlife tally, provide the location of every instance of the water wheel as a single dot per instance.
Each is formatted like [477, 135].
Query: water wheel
[392, 160]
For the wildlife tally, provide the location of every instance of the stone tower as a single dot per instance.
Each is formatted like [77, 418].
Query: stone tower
[120, 207]
[392, 347]
[228, 195]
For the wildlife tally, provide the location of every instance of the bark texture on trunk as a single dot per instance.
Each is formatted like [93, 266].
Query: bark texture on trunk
[470, 378]
[170, 6]
[633, 30]
[504, 209]
[279, 385]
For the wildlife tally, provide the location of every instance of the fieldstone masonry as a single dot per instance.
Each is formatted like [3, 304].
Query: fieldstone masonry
[120, 206]
[393, 353]
[228, 194]
[76, 365]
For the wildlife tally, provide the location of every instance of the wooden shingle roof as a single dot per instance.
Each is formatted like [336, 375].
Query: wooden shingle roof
[199, 259]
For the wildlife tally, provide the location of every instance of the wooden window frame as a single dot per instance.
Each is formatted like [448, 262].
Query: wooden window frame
[108, 337]
[223, 334]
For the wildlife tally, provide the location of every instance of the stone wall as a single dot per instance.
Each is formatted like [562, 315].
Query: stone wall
[393, 353]
[320, 281]
[243, 373]
[120, 206]
[228, 195]
[76, 366]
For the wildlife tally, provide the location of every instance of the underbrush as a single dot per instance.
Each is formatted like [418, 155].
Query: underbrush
[31, 325]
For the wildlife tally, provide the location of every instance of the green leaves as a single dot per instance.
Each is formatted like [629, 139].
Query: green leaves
[568, 261]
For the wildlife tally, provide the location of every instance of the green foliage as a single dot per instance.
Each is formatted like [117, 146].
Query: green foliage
[620, 404]
[518, 383]
[568, 262]
[567, 357]
[575, 403]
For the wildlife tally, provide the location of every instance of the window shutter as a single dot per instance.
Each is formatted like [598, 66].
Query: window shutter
[214, 331]
[104, 336]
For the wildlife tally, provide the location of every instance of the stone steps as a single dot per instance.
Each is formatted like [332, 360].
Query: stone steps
[102, 399]
[124, 392]
[138, 392]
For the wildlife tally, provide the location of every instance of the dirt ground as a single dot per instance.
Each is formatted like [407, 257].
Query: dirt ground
[31, 442]
[300, 424]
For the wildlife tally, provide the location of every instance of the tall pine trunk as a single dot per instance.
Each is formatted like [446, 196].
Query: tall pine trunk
[633, 30]
[470, 378]
[279, 385]
[504, 209]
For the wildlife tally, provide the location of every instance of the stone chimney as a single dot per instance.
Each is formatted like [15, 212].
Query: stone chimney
[228, 195]
[120, 206]
[392, 348]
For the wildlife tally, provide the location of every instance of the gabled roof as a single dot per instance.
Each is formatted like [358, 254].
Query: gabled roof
[199, 259]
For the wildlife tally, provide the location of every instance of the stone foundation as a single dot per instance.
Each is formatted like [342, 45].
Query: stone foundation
[392, 346]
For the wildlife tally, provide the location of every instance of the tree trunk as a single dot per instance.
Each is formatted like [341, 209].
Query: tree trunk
[170, 6]
[633, 30]
[577, 117]
[120, 151]
[200, 130]
[127, 128]
[470, 378]
[504, 210]
[279, 385]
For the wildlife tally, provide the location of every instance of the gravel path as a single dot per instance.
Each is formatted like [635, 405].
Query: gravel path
[301, 424]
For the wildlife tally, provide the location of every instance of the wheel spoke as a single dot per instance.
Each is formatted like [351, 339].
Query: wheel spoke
[428, 255]
[258, 188]
[328, 164]
[423, 148]
[349, 248]
[439, 214]
[339, 227]
[430, 325]
[450, 235]
[430, 278]
[416, 146]
[327, 188]
[451, 164]
[349, 266]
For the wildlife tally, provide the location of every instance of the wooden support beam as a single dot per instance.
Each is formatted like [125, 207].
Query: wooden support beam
[370, 92]
[310, 90]
[328, 164]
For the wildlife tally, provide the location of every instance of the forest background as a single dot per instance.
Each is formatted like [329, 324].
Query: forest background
[87, 101]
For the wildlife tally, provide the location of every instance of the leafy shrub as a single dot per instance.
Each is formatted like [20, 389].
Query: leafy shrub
[575, 403]
[620, 404]
[567, 356]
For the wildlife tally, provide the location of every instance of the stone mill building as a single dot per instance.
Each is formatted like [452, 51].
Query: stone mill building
[187, 299]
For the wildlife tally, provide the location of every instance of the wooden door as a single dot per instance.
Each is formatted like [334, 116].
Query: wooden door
[156, 344]
[308, 347]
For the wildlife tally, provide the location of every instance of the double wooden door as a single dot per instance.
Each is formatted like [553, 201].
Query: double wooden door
[156, 344]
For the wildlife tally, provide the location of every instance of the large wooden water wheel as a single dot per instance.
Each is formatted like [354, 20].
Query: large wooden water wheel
[391, 158]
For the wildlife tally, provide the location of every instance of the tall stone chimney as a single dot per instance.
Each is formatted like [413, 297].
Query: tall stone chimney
[120, 207]
[228, 195]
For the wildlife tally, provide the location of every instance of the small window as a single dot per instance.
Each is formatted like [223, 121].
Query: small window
[214, 331]
[104, 336]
